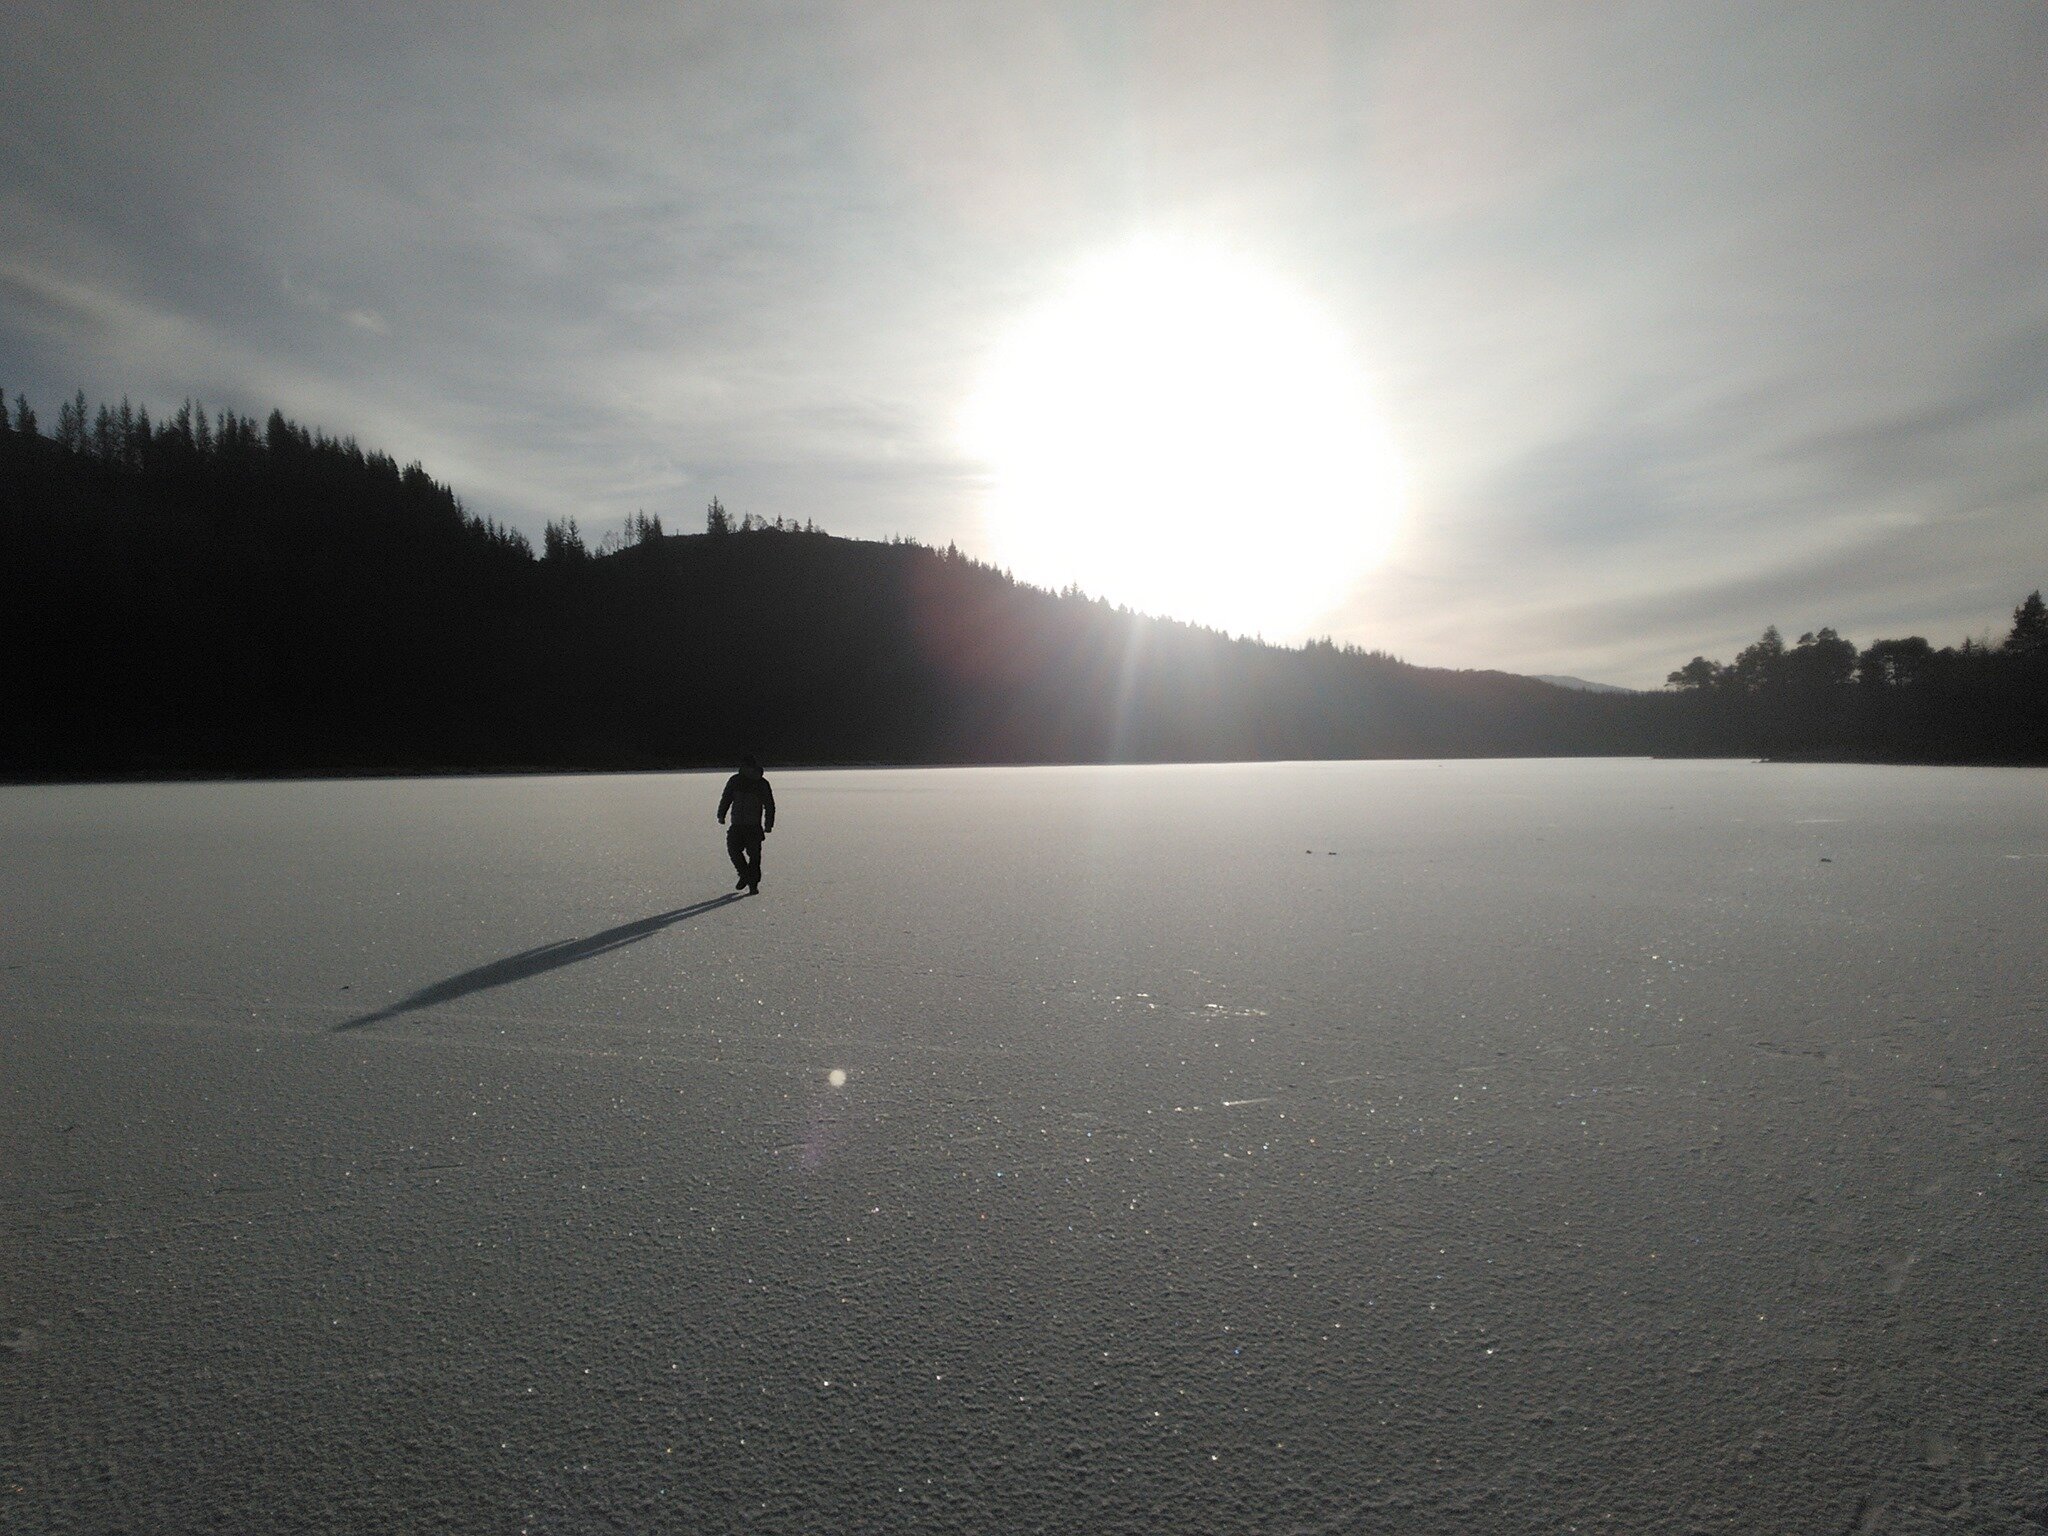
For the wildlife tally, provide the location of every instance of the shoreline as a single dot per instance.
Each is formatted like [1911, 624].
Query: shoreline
[373, 775]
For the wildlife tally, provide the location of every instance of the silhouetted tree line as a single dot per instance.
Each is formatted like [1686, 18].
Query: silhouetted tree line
[213, 593]
[1822, 697]
[202, 594]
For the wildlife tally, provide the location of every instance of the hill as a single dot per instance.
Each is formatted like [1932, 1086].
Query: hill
[826, 649]
[211, 596]
[1580, 683]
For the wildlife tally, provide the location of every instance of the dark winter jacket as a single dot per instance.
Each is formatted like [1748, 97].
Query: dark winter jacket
[751, 802]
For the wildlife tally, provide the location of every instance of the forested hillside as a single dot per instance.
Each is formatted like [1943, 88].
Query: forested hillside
[207, 595]
[1901, 699]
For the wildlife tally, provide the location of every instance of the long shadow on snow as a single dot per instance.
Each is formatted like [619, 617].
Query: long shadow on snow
[535, 961]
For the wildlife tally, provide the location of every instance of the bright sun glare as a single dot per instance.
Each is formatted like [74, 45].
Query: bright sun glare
[1180, 432]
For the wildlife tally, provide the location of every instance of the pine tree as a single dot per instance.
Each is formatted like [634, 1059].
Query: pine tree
[1698, 675]
[1894, 663]
[24, 418]
[716, 519]
[71, 429]
[105, 443]
[1762, 665]
[2029, 635]
[563, 540]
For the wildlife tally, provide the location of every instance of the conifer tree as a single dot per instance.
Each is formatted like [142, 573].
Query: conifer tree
[1761, 665]
[1699, 674]
[563, 540]
[71, 427]
[2029, 635]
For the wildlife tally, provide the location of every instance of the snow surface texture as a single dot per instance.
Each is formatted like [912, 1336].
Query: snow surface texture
[1555, 1146]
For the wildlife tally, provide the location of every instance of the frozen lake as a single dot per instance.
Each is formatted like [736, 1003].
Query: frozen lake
[1478, 1147]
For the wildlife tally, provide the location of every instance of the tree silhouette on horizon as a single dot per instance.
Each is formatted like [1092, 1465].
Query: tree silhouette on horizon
[202, 592]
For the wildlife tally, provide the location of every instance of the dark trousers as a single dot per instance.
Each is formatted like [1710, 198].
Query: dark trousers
[743, 845]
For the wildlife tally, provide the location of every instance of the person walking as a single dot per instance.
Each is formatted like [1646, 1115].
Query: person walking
[752, 804]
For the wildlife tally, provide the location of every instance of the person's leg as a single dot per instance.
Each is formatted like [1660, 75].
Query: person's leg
[754, 861]
[736, 850]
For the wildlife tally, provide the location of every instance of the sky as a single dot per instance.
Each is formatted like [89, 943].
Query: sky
[1684, 319]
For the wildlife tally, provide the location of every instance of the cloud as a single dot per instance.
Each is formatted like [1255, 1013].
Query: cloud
[1685, 316]
[322, 302]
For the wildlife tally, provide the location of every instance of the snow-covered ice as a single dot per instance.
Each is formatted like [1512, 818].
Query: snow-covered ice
[1471, 1147]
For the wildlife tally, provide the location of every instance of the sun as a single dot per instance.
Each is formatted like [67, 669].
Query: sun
[1179, 431]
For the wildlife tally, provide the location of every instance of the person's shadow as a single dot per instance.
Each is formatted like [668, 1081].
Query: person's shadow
[535, 961]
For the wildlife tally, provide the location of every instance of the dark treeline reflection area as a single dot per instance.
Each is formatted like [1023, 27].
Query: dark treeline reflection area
[207, 594]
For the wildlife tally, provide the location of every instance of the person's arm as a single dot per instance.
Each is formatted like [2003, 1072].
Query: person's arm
[767, 807]
[725, 800]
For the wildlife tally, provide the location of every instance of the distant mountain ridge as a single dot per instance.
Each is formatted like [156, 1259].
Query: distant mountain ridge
[1581, 684]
